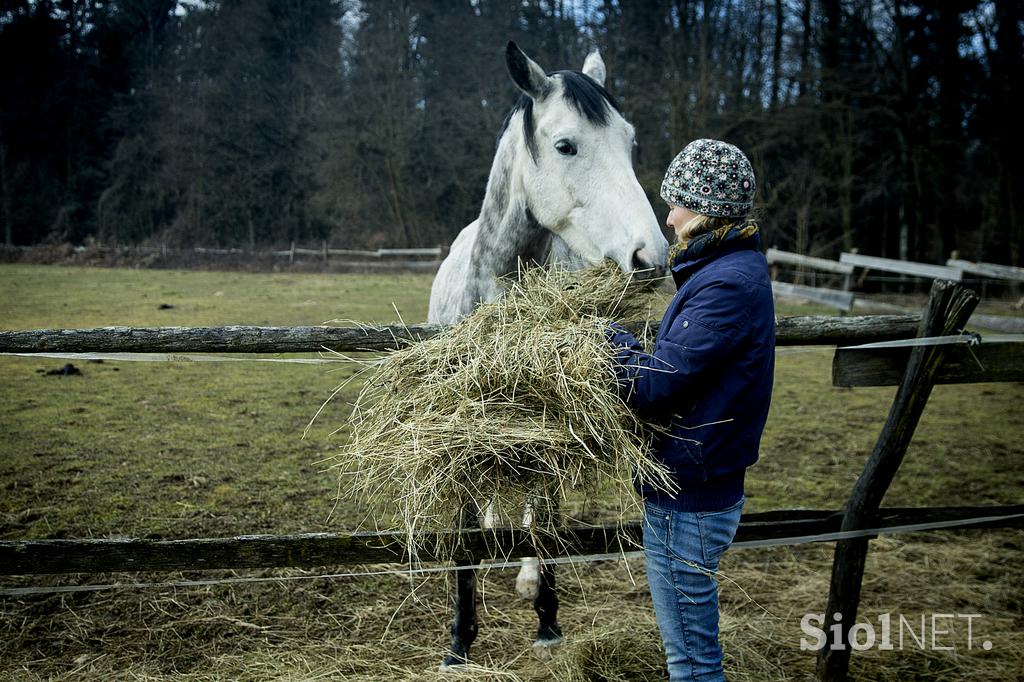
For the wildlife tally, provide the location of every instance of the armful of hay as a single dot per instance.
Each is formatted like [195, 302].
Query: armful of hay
[514, 407]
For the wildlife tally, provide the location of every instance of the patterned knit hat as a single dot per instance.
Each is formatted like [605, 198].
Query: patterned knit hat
[712, 178]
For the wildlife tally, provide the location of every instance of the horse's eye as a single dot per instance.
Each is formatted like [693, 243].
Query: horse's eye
[565, 148]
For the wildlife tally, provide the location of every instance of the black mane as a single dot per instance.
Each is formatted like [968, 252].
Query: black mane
[585, 95]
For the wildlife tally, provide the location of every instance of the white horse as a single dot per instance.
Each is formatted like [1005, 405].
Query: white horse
[561, 189]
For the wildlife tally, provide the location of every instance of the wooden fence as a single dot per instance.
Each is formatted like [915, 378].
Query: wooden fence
[903, 267]
[790, 331]
[418, 259]
[1004, 272]
[841, 299]
[915, 368]
[845, 301]
[309, 550]
[410, 257]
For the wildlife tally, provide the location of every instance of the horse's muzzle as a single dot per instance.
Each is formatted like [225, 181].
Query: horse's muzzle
[645, 267]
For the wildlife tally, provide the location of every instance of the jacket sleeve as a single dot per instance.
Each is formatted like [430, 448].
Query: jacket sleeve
[703, 335]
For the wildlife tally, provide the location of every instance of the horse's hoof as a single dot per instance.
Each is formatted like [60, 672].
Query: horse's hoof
[452, 664]
[544, 649]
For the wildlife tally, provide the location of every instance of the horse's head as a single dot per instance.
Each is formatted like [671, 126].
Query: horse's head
[578, 177]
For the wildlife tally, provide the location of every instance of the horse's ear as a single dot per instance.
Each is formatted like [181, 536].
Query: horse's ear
[593, 66]
[526, 73]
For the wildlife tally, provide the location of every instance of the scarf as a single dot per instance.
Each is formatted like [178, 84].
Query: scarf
[703, 244]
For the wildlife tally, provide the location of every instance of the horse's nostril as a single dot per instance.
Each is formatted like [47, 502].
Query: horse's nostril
[638, 262]
[644, 268]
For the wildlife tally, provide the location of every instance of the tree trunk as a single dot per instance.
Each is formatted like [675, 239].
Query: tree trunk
[777, 54]
[950, 152]
[1009, 80]
[805, 49]
[5, 191]
[396, 203]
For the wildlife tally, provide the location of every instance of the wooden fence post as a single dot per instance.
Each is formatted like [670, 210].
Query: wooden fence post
[949, 307]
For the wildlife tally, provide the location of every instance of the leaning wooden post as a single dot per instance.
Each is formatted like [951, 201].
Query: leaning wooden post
[949, 307]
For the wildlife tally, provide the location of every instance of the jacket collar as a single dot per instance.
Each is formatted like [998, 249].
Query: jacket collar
[685, 267]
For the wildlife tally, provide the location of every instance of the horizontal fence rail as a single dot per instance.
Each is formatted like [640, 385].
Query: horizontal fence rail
[987, 362]
[790, 331]
[435, 252]
[843, 300]
[35, 557]
[1005, 272]
[903, 267]
[776, 256]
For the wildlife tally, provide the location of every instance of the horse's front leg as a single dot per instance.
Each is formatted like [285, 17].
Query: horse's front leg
[464, 626]
[545, 603]
[549, 632]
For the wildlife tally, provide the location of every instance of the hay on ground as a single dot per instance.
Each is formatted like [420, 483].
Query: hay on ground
[515, 405]
[629, 651]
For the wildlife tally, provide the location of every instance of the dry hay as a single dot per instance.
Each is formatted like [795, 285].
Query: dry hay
[631, 650]
[516, 405]
[353, 628]
[626, 651]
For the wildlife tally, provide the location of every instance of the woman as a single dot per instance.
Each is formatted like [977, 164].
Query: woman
[709, 381]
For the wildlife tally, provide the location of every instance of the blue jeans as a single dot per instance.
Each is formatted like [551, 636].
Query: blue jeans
[682, 551]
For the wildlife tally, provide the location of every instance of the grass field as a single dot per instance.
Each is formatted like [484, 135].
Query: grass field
[215, 449]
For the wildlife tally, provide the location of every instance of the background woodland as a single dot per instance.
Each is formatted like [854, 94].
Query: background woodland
[888, 126]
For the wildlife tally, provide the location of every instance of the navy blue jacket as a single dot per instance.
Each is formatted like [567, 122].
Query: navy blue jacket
[709, 377]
